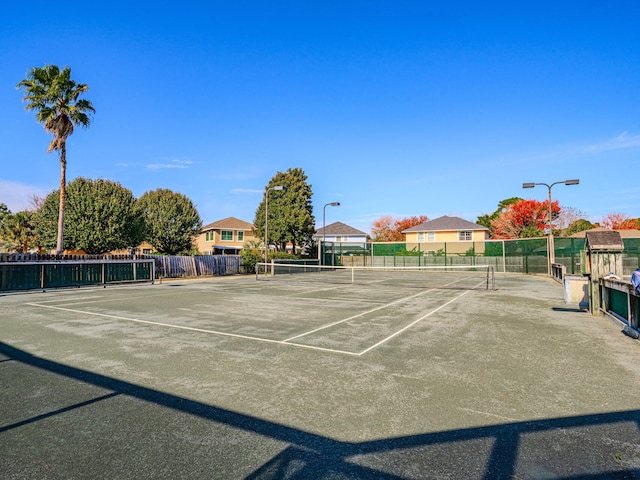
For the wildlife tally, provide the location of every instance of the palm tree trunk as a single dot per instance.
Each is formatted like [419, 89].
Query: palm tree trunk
[63, 191]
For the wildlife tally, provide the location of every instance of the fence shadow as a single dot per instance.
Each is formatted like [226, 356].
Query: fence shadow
[308, 455]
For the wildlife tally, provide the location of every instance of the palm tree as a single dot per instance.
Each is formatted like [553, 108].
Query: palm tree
[52, 94]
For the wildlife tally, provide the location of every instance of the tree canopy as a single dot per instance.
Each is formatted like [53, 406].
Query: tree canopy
[619, 221]
[290, 212]
[101, 216]
[389, 229]
[171, 219]
[4, 212]
[503, 205]
[18, 232]
[525, 218]
[54, 97]
[577, 226]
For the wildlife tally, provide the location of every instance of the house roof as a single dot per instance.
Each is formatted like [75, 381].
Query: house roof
[606, 240]
[339, 228]
[229, 223]
[623, 233]
[445, 223]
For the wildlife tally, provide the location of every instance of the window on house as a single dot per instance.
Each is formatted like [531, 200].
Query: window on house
[241, 236]
[146, 251]
[431, 237]
[421, 237]
[226, 235]
[465, 235]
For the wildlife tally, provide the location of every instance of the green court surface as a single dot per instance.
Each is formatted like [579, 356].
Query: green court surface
[239, 378]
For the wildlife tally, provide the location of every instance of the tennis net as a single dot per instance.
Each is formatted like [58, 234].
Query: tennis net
[474, 277]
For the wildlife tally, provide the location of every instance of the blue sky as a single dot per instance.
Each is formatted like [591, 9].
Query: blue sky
[391, 108]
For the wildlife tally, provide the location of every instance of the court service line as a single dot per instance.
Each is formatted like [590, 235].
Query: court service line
[367, 312]
[193, 329]
[413, 323]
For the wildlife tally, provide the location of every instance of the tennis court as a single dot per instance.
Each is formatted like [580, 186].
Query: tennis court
[289, 376]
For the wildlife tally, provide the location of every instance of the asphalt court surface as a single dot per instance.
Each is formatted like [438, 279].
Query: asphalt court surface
[238, 378]
[343, 318]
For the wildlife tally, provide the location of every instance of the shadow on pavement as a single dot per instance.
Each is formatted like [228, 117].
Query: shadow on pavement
[599, 446]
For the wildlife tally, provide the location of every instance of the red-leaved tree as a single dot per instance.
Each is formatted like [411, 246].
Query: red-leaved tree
[618, 221]
[527, 218]
[389, 229]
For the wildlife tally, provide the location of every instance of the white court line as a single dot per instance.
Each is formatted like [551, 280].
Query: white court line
[281, 342]
[412, 324]
[193, 329]
[368, 311]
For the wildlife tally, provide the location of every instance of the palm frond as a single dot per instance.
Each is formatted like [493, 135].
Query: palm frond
[54, 97]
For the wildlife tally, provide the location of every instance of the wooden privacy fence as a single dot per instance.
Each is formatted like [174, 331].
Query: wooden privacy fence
[197, 266]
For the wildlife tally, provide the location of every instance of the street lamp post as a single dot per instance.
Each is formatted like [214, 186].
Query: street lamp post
[551, 246]
[266, 217]
[332, 204]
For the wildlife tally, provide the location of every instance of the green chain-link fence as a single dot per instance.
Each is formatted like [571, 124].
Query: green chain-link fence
[526, 255]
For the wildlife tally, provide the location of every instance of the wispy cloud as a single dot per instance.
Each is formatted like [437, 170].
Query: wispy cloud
[624, 140]
[173, 164]
[574, 150]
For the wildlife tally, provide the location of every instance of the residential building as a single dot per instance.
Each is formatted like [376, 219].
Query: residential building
[224, 237]
[339, 232]
[451, 234]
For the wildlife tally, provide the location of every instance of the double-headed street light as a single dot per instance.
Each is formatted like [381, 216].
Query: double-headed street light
[266, 217]
[331, 204]
[531, 185]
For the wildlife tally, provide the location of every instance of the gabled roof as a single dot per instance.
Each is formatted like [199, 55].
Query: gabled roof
[339, 228]
[445, 223]
[229, 223]
[608, 240]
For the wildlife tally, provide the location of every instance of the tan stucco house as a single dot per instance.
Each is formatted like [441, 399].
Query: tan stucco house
[458, 235]
[224, 237]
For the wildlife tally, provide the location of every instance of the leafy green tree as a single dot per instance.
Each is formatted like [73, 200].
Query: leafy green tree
[577, 226]
[54, 97]
[4, 212]
[172, 221]
[18, 232]
[101, 216]
[290, 212]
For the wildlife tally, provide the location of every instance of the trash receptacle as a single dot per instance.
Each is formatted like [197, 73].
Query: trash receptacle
[576, 290]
